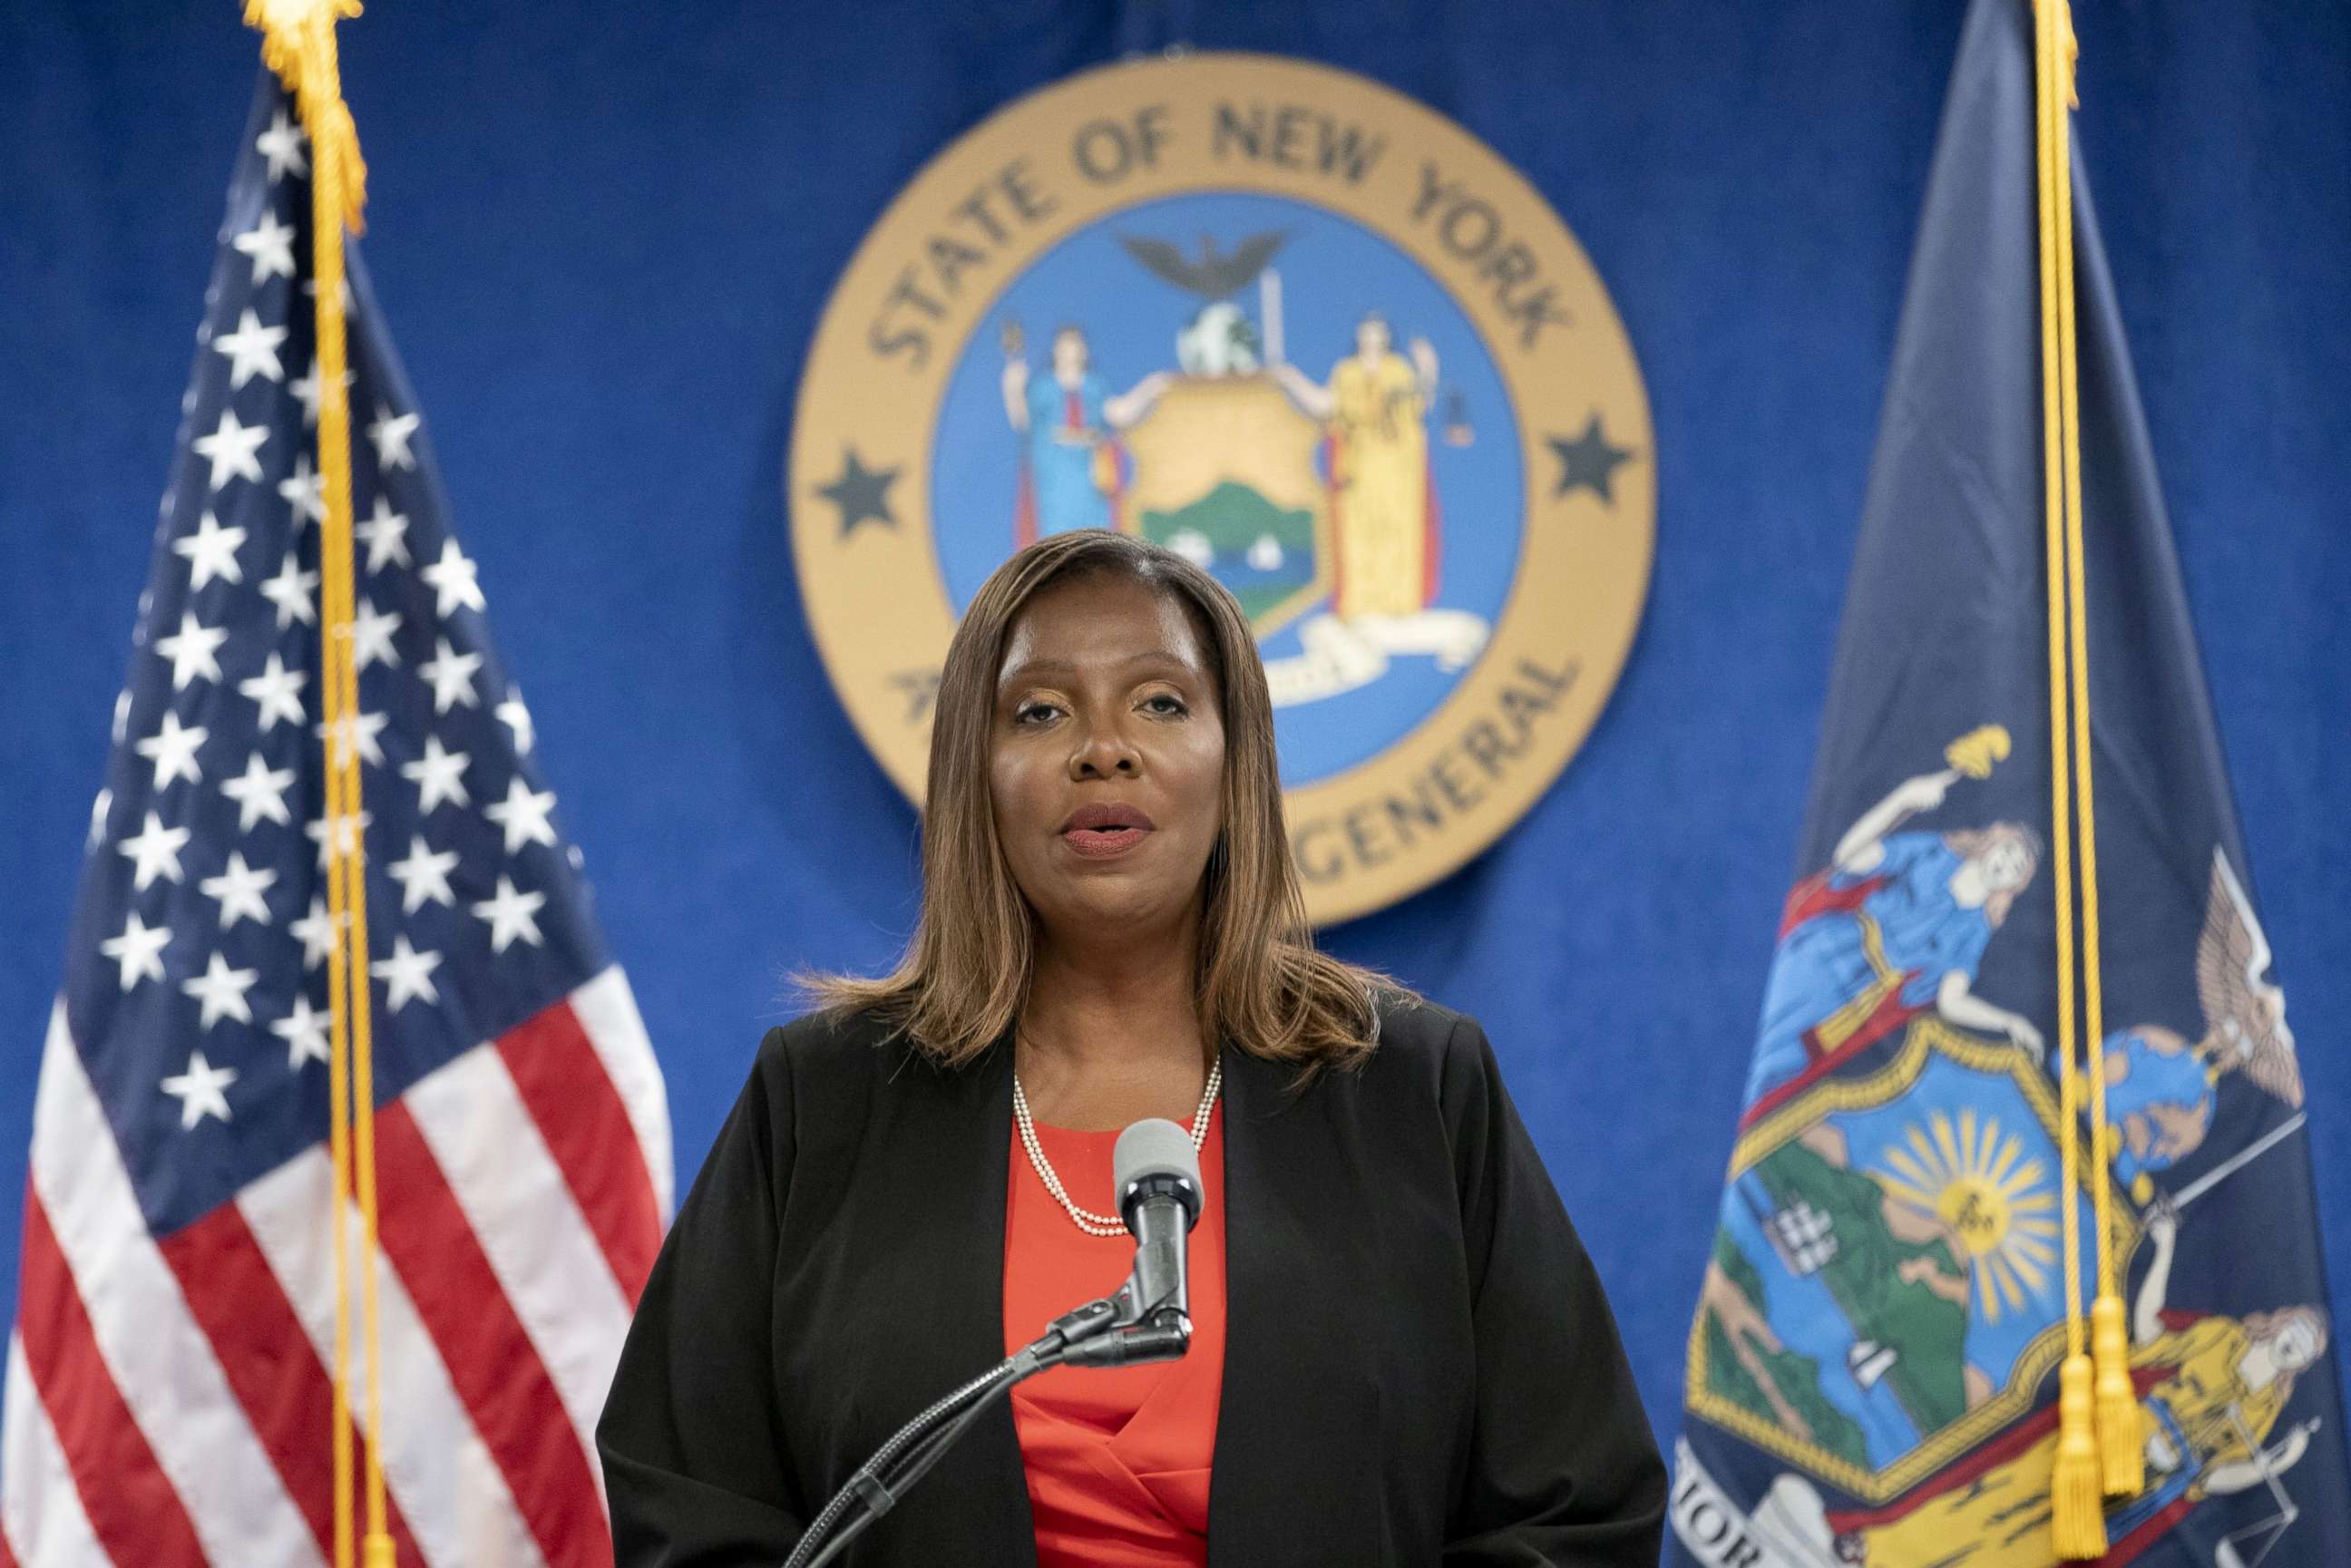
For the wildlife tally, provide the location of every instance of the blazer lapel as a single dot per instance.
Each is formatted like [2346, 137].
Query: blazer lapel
[1296, 1477]
[952, 1137]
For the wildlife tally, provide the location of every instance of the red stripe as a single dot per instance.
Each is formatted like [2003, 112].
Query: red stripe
[2158, 1524]
[580, 1115]
[7, 1558]
[271, 1364]
[491, 1362]
[130, 1504]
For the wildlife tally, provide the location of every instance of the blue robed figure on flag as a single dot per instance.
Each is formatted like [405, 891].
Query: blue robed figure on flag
[1871, 1369]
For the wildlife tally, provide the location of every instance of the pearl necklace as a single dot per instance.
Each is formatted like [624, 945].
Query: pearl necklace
[1086, 1219]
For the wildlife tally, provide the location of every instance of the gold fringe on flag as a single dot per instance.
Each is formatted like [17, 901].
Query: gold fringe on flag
[298, 43]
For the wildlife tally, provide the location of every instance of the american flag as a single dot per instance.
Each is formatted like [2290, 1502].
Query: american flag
[167, 1392]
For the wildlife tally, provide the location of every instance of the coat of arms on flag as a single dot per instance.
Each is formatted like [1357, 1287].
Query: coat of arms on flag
[1895, 1361]
[168, 1385]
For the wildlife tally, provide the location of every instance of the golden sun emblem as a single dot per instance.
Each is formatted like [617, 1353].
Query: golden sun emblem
[1977, 1181]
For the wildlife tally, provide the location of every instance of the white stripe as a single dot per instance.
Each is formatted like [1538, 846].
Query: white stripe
[547, 1260]
[607, 1011]
[152, 1345]
[40, 1511]
[434, 1463]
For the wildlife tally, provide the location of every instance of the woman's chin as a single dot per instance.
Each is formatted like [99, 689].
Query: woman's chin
[1110, 900]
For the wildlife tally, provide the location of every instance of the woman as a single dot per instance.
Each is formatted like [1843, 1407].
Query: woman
[1377, 407]
[1897, 926]
[1401, 1352]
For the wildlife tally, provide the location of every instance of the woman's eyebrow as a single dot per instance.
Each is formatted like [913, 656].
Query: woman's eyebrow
[1030, 668]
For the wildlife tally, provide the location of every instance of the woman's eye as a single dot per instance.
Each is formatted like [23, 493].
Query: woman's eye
[1033, 713]
[1165, 702]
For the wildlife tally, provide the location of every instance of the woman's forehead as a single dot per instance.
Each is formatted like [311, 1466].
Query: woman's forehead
[1096, 621]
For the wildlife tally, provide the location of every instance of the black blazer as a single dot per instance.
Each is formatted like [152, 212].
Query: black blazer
[1419, 1364]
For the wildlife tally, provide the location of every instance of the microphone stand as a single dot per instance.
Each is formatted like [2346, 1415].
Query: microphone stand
[1113, 1331]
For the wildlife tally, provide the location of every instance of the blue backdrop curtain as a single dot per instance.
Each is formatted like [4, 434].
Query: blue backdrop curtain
[602, 233]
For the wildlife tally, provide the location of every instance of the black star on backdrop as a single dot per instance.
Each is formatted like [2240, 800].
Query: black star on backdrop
[1590, 460]
[861, 493]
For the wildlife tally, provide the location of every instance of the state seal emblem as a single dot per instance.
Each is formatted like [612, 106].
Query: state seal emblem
[1300, 330]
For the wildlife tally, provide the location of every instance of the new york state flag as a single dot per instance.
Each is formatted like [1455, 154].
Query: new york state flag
[1871, 1373]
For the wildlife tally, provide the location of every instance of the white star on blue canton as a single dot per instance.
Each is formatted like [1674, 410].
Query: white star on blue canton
[452, 675]
[259, 792]
[138, 951]
[407, 976]
[452, 579]
[391, 432]
[173, 749]
[251, 350]
[317, 933]
[277, 693]
[153, 851]
[220, 991]
[281, 144]
[192, 650]
[304, 1031]
[304, 491]
[238, 888]
[232, 449]
[439, 774]
[199, 1090]
[270, 244]
[211, 553]
[371, 631]
[523, 814]
[423, 876]
[290, 590]
[510, 913]
[385, 536]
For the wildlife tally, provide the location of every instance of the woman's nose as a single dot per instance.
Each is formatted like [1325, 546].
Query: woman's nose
[1103, 751]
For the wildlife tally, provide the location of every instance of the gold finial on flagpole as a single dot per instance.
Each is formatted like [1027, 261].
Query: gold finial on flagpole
[297, 42]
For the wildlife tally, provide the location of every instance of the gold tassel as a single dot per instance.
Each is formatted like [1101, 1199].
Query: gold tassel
[2122, 1431]
[2077, 1517]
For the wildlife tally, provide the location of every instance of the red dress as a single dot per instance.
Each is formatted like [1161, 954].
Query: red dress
[1117, 1459]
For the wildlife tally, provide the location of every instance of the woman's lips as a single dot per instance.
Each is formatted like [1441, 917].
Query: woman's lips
[1101, 843]
[1102, 829]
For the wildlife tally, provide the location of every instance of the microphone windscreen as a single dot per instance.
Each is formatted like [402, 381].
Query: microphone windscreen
[1154, 1146]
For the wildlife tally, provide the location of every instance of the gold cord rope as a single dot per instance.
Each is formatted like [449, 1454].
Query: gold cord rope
[298, 43]
[2099, 1429]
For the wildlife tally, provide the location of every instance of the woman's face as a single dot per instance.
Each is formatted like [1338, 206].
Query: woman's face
[1108, 760]
[2295, 1348]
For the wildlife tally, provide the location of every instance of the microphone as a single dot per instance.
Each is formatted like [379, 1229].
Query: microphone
[1157, 1179]
[1159, 1187]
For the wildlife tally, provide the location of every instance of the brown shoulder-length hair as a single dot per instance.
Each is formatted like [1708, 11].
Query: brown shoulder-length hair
[964, 975]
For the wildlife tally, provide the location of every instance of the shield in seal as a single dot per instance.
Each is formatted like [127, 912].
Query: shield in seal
[1226, 474]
